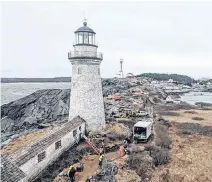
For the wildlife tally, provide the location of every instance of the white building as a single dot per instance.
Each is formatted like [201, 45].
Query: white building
[28, 162]
[86, 98]
[173, 99]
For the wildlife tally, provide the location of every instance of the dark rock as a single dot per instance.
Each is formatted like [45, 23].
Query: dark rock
[43, 106]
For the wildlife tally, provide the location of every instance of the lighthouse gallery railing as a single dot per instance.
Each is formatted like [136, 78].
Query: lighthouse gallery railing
[85, 54]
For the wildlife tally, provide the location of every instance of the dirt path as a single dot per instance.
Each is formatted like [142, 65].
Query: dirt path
[91, 165]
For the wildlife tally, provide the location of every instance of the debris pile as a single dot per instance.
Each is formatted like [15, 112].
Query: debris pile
[108, 171]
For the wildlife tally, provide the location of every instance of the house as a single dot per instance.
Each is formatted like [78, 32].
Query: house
[169, 99]
[173, 99]
[27, 163]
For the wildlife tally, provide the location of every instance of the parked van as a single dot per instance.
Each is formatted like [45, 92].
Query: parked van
[142, 130]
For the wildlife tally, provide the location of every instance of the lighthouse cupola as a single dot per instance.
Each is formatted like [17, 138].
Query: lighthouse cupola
[85, 35]
[85, 48]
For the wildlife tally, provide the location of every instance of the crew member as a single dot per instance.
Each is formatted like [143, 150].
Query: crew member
[101, 159]
[71, 173]
[121, 151]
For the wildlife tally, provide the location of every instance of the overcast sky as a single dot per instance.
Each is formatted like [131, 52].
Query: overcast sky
[151, 37]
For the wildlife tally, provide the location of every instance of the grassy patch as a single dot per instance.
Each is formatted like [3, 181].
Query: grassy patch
[198, 118]
[169, 113]
[160, 155]
[194, 128]
[162, 138]
[191, 112]
[141, 164]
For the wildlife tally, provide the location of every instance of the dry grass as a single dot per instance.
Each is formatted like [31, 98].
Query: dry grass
[186, 117]
[142, 164]
[194, 128]
[198, 118]
[125, 175]
[22, 142]
[117, 131]
[191, 112]
[162, 138]
[191, 159]
[115, 128]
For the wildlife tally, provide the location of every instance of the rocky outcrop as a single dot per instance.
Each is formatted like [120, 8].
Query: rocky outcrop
[112, 86]
[43, 106]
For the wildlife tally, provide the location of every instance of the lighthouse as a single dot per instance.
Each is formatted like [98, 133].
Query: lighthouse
[86, 99]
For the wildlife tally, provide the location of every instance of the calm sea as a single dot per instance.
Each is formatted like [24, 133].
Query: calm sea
[13, 91]
[193, 97]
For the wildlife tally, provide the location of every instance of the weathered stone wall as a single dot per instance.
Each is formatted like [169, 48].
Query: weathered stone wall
[32, 168]
[86, 96]
[85, 48]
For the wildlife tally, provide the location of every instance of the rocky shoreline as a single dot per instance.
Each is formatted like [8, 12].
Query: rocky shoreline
[50, 107]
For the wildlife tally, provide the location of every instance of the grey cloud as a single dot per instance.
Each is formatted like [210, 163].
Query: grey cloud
[151, 37]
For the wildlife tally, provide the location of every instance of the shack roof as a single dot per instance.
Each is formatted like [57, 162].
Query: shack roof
[10, 172]
[42, 144]
[144, 123]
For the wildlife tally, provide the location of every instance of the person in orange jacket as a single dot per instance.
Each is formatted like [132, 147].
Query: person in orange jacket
[121, 151]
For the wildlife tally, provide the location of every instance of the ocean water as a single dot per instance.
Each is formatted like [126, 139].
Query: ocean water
[13, 91]
[193, 97]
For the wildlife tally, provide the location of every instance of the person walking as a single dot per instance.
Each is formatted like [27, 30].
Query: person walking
[71, 173]
[121, 151]
[101, 159]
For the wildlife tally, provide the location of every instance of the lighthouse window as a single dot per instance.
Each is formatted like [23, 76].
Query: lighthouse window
[90, 38]
[80, 39]
[99, 71]
[79, 70]
[86, 38]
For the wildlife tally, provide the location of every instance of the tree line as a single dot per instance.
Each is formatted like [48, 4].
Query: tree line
[164, 77]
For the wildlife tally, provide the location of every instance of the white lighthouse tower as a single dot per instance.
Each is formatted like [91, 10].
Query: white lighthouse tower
[86, 98]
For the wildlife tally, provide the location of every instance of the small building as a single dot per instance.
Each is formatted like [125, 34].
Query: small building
[169, 99]
[173, 99]
[27, 163]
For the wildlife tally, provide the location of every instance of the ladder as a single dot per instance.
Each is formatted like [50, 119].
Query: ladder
[88, 140]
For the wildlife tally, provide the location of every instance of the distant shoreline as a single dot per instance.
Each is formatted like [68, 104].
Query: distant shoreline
[35, 80]
[183, 79]
[38, 82]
